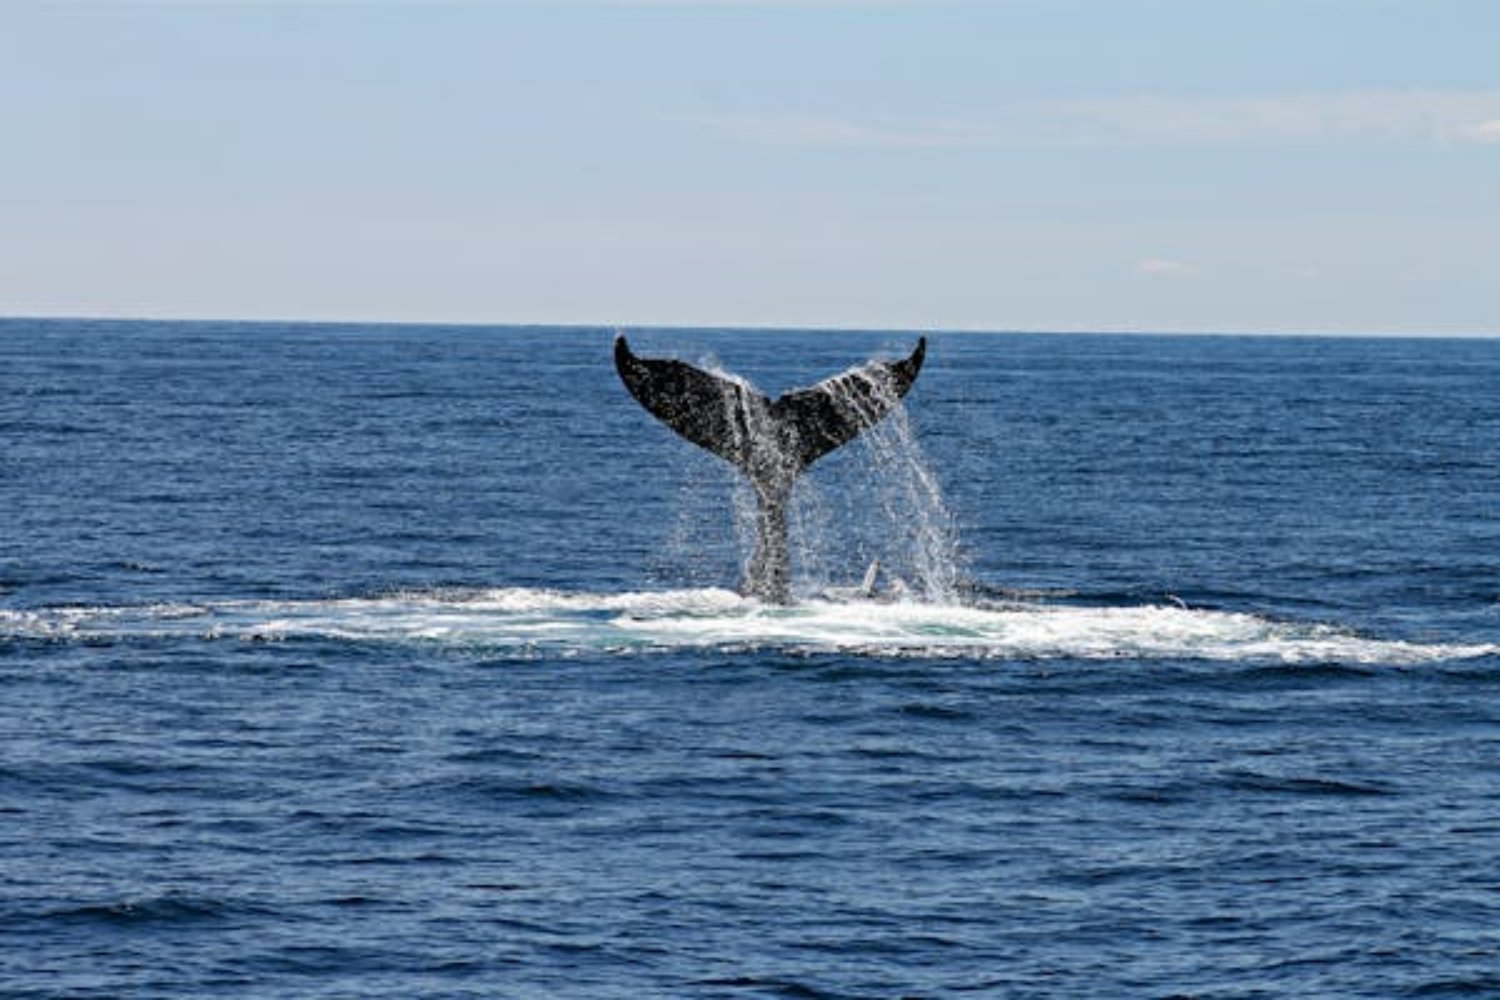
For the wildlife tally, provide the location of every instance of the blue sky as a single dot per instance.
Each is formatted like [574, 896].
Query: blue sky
[1176, 165]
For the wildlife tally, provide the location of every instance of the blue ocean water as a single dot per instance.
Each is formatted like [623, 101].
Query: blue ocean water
[389, 661]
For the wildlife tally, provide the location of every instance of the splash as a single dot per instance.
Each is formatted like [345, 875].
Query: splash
[877, 502]
[897, 488]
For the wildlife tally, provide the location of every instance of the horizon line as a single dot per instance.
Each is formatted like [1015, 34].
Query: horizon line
[740, 327]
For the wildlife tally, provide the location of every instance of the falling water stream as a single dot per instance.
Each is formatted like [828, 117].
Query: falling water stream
[870, 512]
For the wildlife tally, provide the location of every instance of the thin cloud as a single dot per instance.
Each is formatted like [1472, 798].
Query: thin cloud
[1485, 131]
[832, 131]
[750, 3]
[1403, 117]
[1163, 267]
[487, 3]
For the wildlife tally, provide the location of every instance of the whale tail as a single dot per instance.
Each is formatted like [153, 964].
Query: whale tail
[771, 441]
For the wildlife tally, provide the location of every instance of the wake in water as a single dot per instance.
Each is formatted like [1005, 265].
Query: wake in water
[525, 622]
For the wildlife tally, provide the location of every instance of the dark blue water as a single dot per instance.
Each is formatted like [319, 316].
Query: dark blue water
[404, 661]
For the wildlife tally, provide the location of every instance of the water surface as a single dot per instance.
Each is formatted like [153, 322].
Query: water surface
[363, 661]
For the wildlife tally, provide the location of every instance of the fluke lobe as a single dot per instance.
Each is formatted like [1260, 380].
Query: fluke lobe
[770, 441]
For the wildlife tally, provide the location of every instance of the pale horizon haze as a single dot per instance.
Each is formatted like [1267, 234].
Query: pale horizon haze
[1260, 166]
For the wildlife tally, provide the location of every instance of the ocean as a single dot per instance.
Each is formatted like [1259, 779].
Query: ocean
[392, 661]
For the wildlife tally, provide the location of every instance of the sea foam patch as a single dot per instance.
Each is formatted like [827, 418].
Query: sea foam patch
[542, 622]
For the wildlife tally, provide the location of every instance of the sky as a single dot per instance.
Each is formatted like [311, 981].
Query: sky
[1302, 166]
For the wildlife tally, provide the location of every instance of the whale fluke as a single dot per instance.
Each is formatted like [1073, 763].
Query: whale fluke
[771, 441]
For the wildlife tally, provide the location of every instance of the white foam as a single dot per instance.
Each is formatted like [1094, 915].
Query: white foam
[573, 623]
[1040, 632]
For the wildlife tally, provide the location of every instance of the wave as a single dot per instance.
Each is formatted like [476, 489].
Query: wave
[530, 621]
[170, 906]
